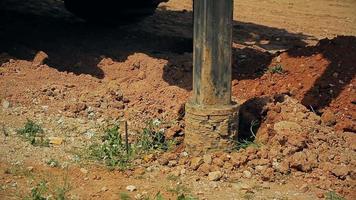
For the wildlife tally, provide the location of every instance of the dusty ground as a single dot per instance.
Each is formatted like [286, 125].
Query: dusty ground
[96, 75]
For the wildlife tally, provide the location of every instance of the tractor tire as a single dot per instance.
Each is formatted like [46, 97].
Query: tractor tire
[112, 11]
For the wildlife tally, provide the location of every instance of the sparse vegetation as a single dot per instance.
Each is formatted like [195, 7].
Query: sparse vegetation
[33, 133]
[18, 170]
[112, 150]
[277, 69]
[124, 196]
[333, 196]
[171, 177]
[53, 163]
[186, 197]
[152, 138]
[244, 143]
[159, 196]
[38, 192]
[61, 192]
[182, 192]
[41, 191]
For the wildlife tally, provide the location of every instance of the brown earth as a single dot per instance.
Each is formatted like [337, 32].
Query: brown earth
[300, 90]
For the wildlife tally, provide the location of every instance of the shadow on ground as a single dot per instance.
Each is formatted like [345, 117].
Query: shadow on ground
[341, 54]
[78, 47]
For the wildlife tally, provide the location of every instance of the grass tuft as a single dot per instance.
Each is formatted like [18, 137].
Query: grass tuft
[331, 195]
[112, 150]
[277, 69]
[33, 133]
[38, 192]
[124, 196]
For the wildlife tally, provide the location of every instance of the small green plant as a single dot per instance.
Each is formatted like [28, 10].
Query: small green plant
[186, 197]
[159, 196]
[18, 170]
[61, 192]
[331, 195]
[244, 143]
[112, 150]
[33, 133]
[179, 189]
[152, 138]
[37, 193]
[124, 196]
[53, 163]
[277, 69]
[171, 177]
[114, 153]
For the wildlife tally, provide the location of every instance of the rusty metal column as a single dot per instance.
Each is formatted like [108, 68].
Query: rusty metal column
[211, 115]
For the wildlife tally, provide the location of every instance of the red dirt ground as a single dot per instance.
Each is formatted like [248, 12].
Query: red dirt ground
[95, 75]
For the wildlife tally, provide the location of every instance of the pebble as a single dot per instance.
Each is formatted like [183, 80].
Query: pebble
[84, 171]
[278, 59]
[104, 189]
[5, 104]
[304, 188]
[149, 169]
[56, 140]
[214, 176]
[131, 188]
[172, 163]
[247, 174]
[196, 162]
[207, 159]
[184, 154]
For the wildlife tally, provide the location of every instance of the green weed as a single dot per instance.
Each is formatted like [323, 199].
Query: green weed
[244, 143]
[53, 163]
[171, 177]
[61, 192]
[159, 196]
[33, 133]
[331, 195]
[186, 197]
[124, 196]
[38, 192]
[179, 189]
[152, 138]
[277, 69]
[112, 150]
[17, 170]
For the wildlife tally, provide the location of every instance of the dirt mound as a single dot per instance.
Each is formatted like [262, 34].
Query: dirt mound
[290, 142]
[322, 77]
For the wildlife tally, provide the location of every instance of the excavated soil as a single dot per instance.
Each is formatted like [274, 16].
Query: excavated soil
[296, 90]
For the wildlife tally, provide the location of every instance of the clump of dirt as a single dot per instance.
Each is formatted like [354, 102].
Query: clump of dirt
[297, 141]
[321, 77]
[290, 142]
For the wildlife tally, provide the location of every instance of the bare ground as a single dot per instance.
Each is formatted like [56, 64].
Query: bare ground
[97, 74]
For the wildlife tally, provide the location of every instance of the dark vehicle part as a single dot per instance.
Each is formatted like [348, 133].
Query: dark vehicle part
[112, 10]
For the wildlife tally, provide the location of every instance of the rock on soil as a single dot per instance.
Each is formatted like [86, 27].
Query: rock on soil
[215, 176]
[131, 188]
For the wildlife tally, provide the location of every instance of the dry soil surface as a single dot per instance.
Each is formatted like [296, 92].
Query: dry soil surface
[293, 73]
